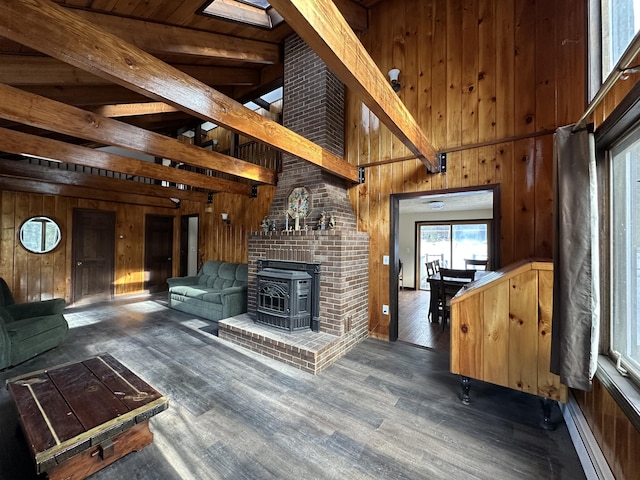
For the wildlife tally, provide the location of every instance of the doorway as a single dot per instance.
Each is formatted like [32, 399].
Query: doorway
[158, 248]
[409, 211]
[189, 261]
[93, 247]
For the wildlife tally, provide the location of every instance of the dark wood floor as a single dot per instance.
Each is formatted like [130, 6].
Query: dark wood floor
[413, 325]
[384, 411]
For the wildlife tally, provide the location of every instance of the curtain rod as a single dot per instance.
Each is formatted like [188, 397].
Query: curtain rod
[620, 69]
[468, 146]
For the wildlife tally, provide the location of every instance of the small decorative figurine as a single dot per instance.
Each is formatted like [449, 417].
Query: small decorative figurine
[265, 224]
[323, 221]
[332, 222]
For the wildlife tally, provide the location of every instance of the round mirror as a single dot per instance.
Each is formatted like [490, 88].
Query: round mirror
[39, 234]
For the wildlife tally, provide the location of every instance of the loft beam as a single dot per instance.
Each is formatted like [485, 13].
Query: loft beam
[23, 107]
[25, 144]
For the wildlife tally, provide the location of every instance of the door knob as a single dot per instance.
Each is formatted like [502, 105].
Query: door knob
[169, 258]
[79, 263]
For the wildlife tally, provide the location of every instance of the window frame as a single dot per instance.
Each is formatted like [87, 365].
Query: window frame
[626, 116]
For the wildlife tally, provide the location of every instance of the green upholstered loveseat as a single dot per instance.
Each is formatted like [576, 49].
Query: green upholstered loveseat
[218, 291]
[28, 329]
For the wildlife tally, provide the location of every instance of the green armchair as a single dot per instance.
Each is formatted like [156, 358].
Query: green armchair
[28, 329]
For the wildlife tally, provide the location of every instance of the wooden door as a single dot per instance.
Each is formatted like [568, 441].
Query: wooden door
[158, 248]
[93, 255]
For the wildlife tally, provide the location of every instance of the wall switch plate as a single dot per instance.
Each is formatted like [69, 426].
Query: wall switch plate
[385, 309]
[385, 259]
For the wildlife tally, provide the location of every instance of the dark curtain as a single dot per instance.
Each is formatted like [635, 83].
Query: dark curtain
[574, 345]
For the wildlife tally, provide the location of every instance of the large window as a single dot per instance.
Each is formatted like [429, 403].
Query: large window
[612, 26]
[451, 244]
[625, 251]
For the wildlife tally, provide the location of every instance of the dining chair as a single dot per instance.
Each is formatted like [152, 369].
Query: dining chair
[400, 276]
[451, 281]
[474, 263]
[430, 269]
[436, 265]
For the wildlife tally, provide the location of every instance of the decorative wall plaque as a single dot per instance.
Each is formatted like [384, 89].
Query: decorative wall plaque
[299, 203]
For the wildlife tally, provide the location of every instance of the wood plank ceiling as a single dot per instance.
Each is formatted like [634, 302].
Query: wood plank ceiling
[78, 74]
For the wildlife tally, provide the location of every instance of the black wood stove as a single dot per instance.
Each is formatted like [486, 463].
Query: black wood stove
[288, 298]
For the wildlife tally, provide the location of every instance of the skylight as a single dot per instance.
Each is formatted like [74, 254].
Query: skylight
[257, 13]
[273, 95]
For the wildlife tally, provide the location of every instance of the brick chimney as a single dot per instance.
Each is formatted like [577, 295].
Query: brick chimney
[313, 107]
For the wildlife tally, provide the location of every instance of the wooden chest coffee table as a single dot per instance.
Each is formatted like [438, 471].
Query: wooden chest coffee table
[80, 417]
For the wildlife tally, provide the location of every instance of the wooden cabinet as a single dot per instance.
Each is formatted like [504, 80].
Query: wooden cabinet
[501, 330]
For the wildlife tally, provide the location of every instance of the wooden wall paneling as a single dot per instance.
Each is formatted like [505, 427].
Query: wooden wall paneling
[496, 335]
[469, 73]
[545, 67]
[34, 261]
[608, 422]
[524, 67]
[130, 251]
[548, 383]
[376, 251]
[524, 198]
[47, 260]
[616, 435]
[468, 358]
[487, 43]
[543, 222]
[453, 176]
[423, 48]
[72, 203]
[523, 331]
[7, 236]
[632, 466]
[570, 60]
[61, 258]
[505, 70]
[439, 87]
[454, 74]
[504, 176]
[487, 165]
[469, 167]
[382, 233]
[597, 427]
[21, 256]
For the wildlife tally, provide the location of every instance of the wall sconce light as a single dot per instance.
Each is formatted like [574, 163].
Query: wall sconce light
[393, 77]
[176, 202]
[209, 206]
[225, 218]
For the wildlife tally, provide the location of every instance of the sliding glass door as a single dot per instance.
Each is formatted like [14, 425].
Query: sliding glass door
[451, 243]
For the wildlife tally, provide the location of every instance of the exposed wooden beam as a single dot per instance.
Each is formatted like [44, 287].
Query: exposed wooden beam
[87, 95]
[324, 29]
[22, 143]
[163, 39]
[30, 109]
[84, 96]
[65, 36]
[43, 188]
[22, 169]
[18, 70]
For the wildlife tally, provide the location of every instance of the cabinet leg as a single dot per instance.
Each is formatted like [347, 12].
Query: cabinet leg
[547, 405]
[466, 386]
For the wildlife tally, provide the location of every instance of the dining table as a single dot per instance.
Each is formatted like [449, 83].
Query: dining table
[434, 287]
